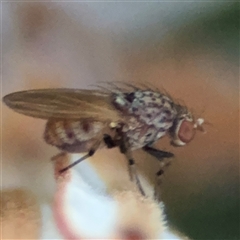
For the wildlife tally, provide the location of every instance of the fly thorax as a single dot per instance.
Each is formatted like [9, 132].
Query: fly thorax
[149, 115]
[153, 109]
[132, 124]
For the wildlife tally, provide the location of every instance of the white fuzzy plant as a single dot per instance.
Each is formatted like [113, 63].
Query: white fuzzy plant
[84, 208]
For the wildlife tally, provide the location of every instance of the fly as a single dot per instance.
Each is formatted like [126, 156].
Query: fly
[87, 120]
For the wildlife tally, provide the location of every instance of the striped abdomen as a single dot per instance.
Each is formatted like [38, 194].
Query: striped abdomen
[72, 135]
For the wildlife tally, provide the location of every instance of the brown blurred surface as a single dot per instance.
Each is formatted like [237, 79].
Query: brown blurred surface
[20, 215]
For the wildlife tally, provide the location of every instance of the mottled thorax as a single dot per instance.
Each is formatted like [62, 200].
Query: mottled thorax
[149, 115]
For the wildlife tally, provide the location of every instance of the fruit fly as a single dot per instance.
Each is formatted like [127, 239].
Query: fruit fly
[86, 120]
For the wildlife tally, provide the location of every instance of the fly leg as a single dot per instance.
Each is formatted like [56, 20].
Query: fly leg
[110, 143]
[165, 161]
[131, 166]
[159, 154]
[159, 176]
[89, 154]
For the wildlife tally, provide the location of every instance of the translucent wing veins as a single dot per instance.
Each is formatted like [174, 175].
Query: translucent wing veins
[64, 104]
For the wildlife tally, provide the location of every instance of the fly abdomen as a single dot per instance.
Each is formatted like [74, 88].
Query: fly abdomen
[72, 135]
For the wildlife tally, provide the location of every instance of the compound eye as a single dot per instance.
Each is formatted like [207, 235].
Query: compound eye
[186, 131]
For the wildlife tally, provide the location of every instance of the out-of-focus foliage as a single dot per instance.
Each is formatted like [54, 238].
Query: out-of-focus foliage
[210, 214]
[217, 31]
[213, 213]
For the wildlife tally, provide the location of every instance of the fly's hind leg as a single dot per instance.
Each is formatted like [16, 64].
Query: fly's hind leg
[108, 141]
[165, 161]
[89, 154]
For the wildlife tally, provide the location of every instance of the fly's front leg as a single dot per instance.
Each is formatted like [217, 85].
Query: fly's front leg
[131, 166]
[159, 154]
[165, 161]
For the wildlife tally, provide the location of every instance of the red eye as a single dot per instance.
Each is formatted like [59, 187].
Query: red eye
[186, 131]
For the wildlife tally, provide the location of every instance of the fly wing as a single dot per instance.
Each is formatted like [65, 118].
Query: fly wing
[64, 104]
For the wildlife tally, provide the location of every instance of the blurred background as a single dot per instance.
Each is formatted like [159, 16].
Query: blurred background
[191, 49]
